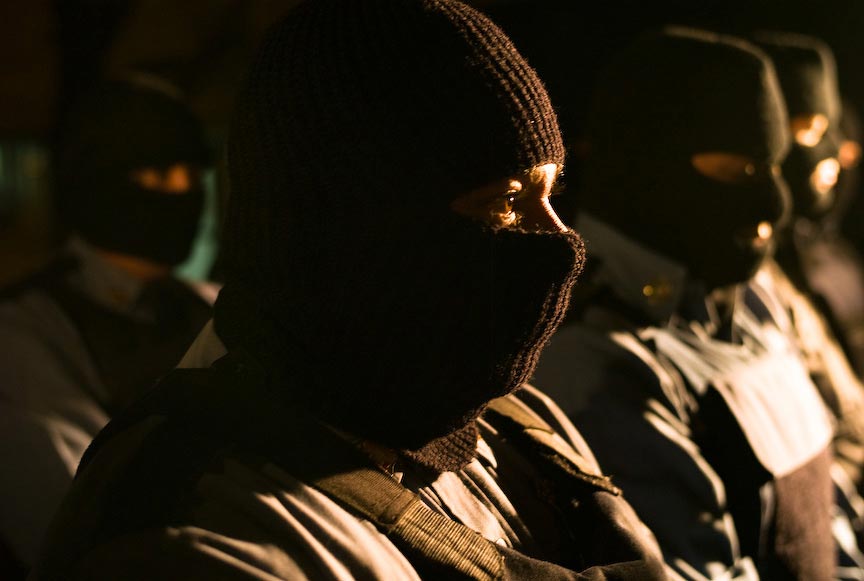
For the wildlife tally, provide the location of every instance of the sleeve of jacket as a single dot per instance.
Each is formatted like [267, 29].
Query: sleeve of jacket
[47, 419]
[30, 493]
[634, 414]
[184, 553]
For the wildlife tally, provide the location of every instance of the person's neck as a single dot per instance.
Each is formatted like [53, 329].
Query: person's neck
[140, 268]
[384, 457]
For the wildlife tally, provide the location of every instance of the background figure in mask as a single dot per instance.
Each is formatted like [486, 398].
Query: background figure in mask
[848, 215]
[683, 384]
[816, 278]
[105, 319]
[840, 255]
[393, 269]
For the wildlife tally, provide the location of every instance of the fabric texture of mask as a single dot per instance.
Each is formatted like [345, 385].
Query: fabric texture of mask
[646, 124]
[140, 222]
[380, 310]
[408, 347]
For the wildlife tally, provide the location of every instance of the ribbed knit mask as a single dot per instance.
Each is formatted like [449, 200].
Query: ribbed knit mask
[348, 277]
[670, 95]
[808, 78]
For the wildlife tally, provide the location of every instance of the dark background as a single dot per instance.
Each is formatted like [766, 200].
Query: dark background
[52, 49]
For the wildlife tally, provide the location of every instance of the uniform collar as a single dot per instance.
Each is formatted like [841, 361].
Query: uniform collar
[642, 279]
[101, 282]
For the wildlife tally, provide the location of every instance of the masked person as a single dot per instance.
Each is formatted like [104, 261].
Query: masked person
[850, 201]
[99, 325]
[393, 268]
[816, 265]
[811, 258]
[839, 256]
[681, 381]
[815, 278]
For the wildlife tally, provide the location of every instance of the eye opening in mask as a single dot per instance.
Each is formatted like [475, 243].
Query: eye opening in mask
[175, 179]
[849, 154]
[731, 168]
[520, 200]
[808, 130]
[823, 179]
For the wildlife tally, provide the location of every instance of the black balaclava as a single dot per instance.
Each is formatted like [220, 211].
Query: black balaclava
[118, 127]
[668, 96]
[851, 134]
[808, 78]
[349, 281]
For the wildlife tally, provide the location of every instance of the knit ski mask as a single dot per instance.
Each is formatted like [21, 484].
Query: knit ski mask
[670, 95]
[140, 222]
[119, 127]
[807, 74]
[350, 282]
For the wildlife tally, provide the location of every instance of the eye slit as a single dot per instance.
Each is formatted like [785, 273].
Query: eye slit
[727, 167]
[557, 188]
[504, 203]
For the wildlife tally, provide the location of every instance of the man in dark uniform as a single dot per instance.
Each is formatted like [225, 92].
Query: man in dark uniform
[393, 269]
[816, 276]
[684, 384]
[106, 318]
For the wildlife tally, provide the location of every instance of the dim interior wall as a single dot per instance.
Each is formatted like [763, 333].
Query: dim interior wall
[29, 67]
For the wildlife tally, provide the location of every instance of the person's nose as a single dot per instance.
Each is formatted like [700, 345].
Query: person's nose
[538, 215]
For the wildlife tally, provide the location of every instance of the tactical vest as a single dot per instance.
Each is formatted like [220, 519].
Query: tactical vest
[434, 544]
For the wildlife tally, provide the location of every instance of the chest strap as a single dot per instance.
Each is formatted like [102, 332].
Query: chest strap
[432, 542]
[556, 460]
[411, 525]
[415, 528]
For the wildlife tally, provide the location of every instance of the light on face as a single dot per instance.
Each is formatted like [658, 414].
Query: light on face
[764, 231]
[725, 167]
[808, 130]
[506, 214]
[850, 154]
[824, 177]
[520, 201]
[176, 179]
[657, 291]
[755, 238]
[148, 178]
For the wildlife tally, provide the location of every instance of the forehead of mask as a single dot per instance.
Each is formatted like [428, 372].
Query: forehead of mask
[682, 92]
[807, 73]
[388, 107]
[119, 127]
[671, 96]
